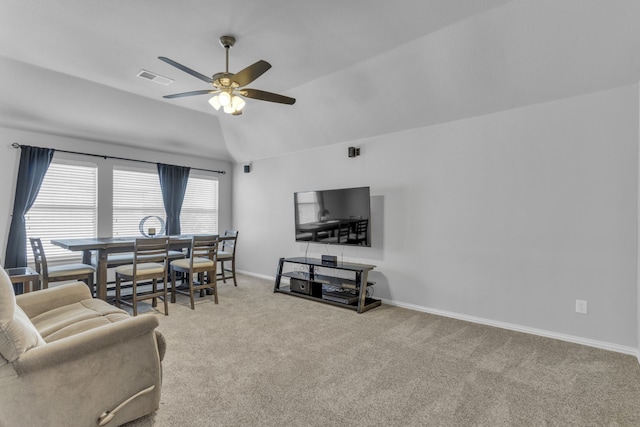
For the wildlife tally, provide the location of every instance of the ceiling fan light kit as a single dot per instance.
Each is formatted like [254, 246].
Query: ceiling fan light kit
[229, 87]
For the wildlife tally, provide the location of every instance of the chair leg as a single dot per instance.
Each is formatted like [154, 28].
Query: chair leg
[233, 271]
[213, 280]
[154, 289]
[118, 291]
[173, 285]
[89, 283]
[134, 289]
[193, 305]
[224, 276]
[164, 292]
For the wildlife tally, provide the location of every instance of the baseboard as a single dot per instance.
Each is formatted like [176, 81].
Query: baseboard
[510, 326]
[518, 328]
[259, 276]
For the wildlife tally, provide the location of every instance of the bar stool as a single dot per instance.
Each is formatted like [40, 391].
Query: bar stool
[227, 253]
[149, 263]
[202, 259]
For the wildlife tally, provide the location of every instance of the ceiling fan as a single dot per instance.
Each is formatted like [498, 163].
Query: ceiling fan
[229, 88]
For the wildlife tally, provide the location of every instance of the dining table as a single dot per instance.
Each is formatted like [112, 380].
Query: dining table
[329, 226]
[103, 246]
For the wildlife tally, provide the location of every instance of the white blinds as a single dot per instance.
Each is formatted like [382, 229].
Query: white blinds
[66, 207]
[199, 213]
[137, 195]
[308, 207]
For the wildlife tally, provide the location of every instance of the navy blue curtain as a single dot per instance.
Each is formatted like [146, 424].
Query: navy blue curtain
[34, 162]
[173, 183]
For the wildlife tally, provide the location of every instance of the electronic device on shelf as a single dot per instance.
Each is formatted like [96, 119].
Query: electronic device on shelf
[341, 297]
[340, 216]
[305, 287]
[329, 260]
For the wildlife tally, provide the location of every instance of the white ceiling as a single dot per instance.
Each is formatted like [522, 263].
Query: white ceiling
[357, 68]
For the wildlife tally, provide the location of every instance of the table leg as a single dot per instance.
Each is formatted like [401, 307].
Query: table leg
[86, 257]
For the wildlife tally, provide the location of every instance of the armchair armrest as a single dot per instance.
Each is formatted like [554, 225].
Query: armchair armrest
[35, 303]
[88, 343]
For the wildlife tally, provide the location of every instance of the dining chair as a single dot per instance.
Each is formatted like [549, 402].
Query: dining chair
[123, 258]
[149, 263]
[227, 253]
[359, 236]
[342, 236]
[117, 259]
[59, 273]
[200, 264]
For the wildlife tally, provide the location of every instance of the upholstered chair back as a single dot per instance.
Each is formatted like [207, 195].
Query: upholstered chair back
[17, 333]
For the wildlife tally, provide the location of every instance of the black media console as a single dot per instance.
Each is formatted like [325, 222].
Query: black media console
[307, 283]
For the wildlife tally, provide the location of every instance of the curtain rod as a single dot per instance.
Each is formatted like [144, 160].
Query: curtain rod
[16, 145]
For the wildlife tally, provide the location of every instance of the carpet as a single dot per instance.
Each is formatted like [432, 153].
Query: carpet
[264, 359]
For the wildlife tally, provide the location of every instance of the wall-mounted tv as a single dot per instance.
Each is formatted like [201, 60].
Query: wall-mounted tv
[340, 217]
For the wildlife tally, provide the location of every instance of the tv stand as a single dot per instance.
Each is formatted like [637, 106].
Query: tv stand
[311, 283]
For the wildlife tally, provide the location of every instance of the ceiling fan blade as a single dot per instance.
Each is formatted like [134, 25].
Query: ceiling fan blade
[252, 72]
[195, 92]
[185, 69]
[267, 96]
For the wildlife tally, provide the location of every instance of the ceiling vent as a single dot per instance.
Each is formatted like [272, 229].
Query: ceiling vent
[148, 75]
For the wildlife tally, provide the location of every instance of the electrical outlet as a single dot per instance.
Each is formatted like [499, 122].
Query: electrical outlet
[581, 306]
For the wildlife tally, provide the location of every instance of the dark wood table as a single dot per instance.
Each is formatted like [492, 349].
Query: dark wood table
[329, 226]
[103, 246]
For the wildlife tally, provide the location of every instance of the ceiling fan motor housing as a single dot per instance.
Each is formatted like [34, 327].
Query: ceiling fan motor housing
[227, 41]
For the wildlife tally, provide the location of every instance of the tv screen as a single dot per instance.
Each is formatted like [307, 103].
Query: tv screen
[340, 217]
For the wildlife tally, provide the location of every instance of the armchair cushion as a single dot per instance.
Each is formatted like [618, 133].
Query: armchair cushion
[74, 318]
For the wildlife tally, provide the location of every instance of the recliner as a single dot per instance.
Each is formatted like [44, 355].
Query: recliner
[69, 359]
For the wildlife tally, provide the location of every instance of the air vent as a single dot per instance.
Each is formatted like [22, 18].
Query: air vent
[148, 75]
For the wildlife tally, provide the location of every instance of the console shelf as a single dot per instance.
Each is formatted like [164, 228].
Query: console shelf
[313, 282]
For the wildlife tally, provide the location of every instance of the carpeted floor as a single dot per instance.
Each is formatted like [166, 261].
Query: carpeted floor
[264, 359]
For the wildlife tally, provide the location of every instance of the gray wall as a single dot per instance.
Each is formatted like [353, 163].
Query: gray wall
[506, 218]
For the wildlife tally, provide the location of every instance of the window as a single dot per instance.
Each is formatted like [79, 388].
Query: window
[137, 195]
[308, 204]
[200, 207]
[66, 207]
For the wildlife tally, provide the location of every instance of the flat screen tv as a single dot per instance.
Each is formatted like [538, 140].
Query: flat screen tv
[340, 217]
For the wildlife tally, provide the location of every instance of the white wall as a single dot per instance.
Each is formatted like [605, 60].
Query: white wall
[9, 160]
[508, 217]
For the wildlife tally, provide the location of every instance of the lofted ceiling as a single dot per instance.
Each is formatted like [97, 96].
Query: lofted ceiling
[357, 68]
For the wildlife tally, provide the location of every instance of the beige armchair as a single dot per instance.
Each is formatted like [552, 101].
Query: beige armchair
[67, 359]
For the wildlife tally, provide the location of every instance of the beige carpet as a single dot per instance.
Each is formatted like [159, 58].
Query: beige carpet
[264, 359]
